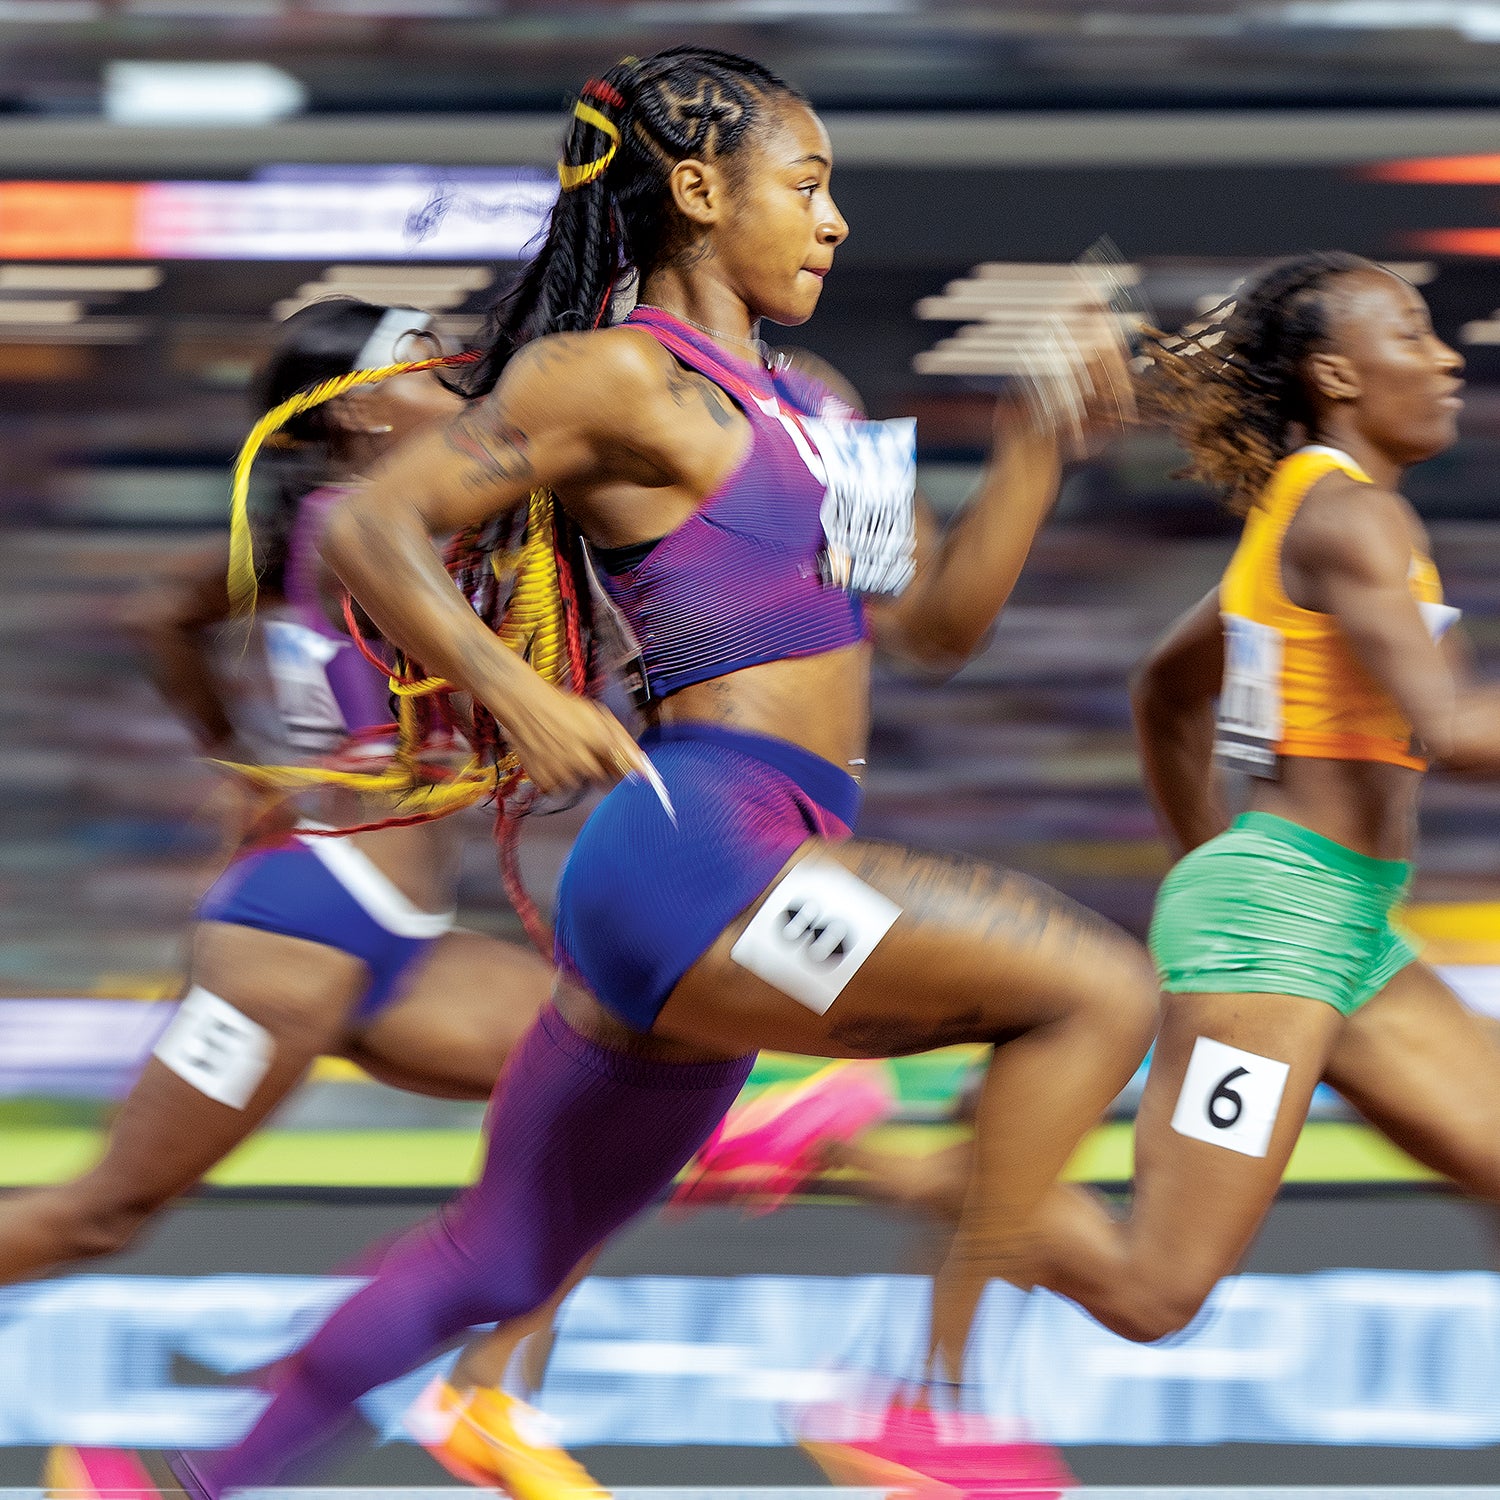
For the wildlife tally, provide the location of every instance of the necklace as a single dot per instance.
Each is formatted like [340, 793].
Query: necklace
[762, 352]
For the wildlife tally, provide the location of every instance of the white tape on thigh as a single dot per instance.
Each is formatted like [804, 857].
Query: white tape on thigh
[1230, 1097]
[812, 933]
[213, 1047]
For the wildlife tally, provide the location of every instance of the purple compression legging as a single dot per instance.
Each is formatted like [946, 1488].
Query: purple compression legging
[581, 1139]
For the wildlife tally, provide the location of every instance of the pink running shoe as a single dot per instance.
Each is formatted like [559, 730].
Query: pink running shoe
[926, 1455]
[97, 1474]
[769, 1147]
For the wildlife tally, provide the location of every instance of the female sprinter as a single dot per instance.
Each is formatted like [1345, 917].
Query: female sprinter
[733, 509]
[313, 945]
[1273, 935]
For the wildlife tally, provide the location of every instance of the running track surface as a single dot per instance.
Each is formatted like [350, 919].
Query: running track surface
[1196, 1492]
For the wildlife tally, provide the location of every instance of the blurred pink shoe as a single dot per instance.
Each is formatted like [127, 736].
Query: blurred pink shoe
[105, 1473]
[769, 1147]
[926, 1455]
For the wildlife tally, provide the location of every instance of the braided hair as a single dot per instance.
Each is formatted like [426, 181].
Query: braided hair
[1232, 389]
[525, 575]
[640, 119]
[318, 342]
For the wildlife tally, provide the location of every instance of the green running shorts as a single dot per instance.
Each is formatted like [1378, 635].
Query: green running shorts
[1270, 907]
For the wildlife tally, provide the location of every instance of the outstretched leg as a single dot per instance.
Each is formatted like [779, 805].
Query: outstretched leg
[168, 1132]
[583, 1136]
[1426, 1072]
[1203, 1179]
[972, 954]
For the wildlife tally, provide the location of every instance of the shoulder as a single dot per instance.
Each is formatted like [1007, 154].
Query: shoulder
[621, 358]
[820, 380]
[583, 378]
[1347, 526]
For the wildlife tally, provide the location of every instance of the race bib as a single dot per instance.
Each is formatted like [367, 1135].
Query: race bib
[297, 659]
[1249, 725]
[868, 471]
[813, 931]
[869, 510]
[217, 1050]
[1230, 1097]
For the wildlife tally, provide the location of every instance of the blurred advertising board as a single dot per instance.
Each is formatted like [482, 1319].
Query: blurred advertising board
[1339, 1357]
[416, 213]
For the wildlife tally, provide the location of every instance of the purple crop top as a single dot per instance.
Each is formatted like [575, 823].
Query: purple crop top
[324, 689]
[751, 575]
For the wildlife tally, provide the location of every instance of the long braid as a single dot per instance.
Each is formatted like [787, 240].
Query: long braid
[525, 575]
[1231, 388]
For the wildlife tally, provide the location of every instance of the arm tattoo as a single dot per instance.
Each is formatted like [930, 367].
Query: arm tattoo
[684, 386]
[495, 449]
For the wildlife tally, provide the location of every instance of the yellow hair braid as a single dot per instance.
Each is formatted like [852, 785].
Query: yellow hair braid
[242, 580]
[534, 626]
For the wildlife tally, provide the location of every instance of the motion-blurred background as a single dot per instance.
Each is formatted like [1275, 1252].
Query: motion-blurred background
[177, 175]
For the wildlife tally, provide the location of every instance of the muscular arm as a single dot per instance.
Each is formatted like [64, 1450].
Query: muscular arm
[171, 619]
[1172, 703]
[966, 571]
[1349, 555]
[543, 425]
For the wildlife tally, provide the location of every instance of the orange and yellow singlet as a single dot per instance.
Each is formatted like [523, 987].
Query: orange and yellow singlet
[1292, 685]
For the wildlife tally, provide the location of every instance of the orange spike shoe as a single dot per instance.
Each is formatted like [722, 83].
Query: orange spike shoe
[488, 1438]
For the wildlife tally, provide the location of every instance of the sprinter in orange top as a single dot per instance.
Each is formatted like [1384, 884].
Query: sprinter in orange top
[1325, 647]
[1295, 683]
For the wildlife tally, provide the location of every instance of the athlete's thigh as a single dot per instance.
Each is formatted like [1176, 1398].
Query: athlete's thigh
[873, 950]
[283, 1001]
[465, 1004]
[1426, 1072]
[1230, 1083]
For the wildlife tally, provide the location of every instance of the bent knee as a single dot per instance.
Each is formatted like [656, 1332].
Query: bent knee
[1158, 1311]
[90, 1228]
[1121, 999]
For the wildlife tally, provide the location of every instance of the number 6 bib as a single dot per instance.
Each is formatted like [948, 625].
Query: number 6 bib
[1230, 1097]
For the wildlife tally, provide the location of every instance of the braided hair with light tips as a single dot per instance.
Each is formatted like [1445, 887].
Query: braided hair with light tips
[526, 574]
[641, 118]
[1232, 388]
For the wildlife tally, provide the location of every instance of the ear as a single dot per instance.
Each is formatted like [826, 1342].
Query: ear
[1334, 377]
[697, 189]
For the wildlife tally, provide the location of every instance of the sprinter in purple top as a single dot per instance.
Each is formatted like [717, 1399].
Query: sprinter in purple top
[715, 902]
[305, 944]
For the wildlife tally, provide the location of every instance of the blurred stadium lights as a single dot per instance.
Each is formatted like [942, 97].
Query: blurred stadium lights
[654, 12]
[1466, 171]
[84, 331]
[199, 93]
[53, 11]
[1003, 306]
[1477, 20]
[438, 9]
[1472, 242]
[431, 288]
[75, 278]
[1006, 307]
[1481, 330]
[40, 310]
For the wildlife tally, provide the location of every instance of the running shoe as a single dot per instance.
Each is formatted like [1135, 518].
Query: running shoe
[488, 1438]
[770, 1146]
[926, 1455]
[83, 1473]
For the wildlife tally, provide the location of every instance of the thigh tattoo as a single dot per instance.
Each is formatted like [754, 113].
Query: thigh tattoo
[955, 890]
